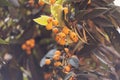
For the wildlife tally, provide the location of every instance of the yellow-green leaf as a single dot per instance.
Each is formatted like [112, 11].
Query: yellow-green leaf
[3, 42]
[57, 13]
[42, 20]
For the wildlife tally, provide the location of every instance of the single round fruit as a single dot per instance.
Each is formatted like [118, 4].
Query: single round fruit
[28, 42]
[65, 30]
[32, 44]
[57, 52]
[57, 38]
[65, 9]
[52, 1]
[41, 3]
[57, 64]
[67, 68]
[62, 42]
[23, 46]
[55, 30]
[55, 23]
[50, 19]
[62, 35]
[66, 50]
[56, 57]
[73, 36]
[49, 26]
[47, 61]
[32, 40]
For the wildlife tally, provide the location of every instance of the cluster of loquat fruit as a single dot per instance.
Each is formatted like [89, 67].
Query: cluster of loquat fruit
[28, 45]
[58, 60]
[63, 35]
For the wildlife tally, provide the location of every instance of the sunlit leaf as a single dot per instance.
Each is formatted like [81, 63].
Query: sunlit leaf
[57, 13]
[42, 20]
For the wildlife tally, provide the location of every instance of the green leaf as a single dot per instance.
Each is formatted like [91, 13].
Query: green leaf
[4, 3]
[57, 13]
[3, 42]
[42, 20]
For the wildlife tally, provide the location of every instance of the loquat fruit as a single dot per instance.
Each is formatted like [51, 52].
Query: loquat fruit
[65, 9]
[67, 68]
[41, 3]
[32, 40]
[55, 23]
[56, 57]
[49, 26]
[47, 61]
[73, 36]
[65, 30]
[32, 44]
[52, 1]
[28, 42]
[50, 19]
[62, 42]
[58, 63]
[55, 30]
[62, 35]
[23, 46]
[57, 38]
[57, 52]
